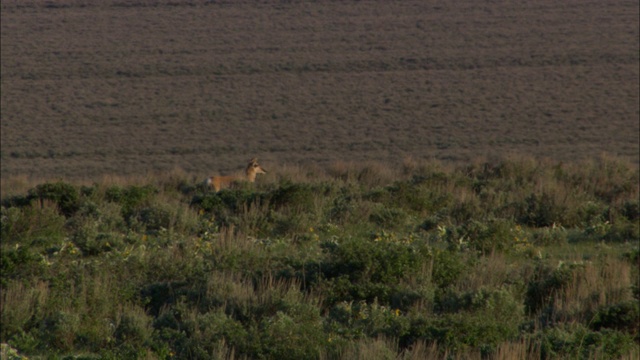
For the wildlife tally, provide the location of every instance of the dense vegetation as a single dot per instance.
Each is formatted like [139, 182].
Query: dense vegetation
[497, 260]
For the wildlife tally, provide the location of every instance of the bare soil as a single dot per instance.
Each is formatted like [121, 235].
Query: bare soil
[90, 88]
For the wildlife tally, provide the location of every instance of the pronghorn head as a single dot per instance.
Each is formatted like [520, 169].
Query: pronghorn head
[254, 168]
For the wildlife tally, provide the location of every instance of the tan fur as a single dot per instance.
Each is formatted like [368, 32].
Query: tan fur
[222, 182]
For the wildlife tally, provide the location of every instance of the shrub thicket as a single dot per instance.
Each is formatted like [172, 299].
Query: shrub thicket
[473, 262]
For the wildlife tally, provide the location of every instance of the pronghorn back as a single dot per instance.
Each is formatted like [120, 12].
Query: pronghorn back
[220, 182]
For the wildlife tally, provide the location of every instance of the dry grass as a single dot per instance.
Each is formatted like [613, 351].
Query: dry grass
[494, 271]
[593, 286]
[20, 303]
[121, 88]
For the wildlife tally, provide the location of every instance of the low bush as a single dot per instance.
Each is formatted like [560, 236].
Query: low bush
[468, 262]
[541, 211]
[576, 341]
[389, 218]
[546, 283]
[297, 196]
[64, 195]
[371, 261]
[24, 225]
[131, 198]
[623, 316]
[460, 331]
[448, 267]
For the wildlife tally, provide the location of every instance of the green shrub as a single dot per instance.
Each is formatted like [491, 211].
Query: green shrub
[389, 218]
[578, 342]
[622, 231]
[235, 199]
[381, 261]
[342, 289]
[498, 304]
[280, 225]
[370, 270]
[623, 317]
[157, 296]
[216, 326]
[354, 320]
[31, 223]
[293, 334]
[541, 211]
[134, 327]
[430, 223]
[130, 198]
[448, 266]
[16, 201]
[488, 235]
[89, 238]
[64, 195]
[546, 283]
[295, 195]
[59, 330]
[340, 209]
[20, 261]
[330, 270]
[26, 343]
[417, 195]
[460, 331]
[549, 236]
[154, 218]
[227, 205]
[631, 210]
[9, 353]
[464, 211]
[591, 212]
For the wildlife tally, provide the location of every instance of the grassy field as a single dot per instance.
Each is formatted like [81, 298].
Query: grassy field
[446, 180]
[513, 260]
[135, 87]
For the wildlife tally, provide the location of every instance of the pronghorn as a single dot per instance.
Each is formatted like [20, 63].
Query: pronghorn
[220, 182]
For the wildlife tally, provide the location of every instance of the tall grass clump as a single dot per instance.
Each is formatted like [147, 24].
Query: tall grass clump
[505, 259]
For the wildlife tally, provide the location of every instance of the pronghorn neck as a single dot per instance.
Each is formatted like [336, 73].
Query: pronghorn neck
[251, 174]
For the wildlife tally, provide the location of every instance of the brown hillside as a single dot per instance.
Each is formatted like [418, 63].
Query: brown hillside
[128, 87]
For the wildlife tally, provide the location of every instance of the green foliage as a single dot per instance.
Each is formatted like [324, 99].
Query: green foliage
[298, 196]
[483, 329]
[377, 261]
[541, 211]
[131, 198]
[388, 218]
[631, 210]
[448, 266]
[227, 205]
[20, 261]
[132, 329]
[554, 235]
[294, 334]
[64, 195]
[623, 316]
[10, 353]
[546, 283]
[460, 262]
[418, 194]
[343, 205]
[582, 343]
[31, 224]
[354, 320]
[488, 235]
